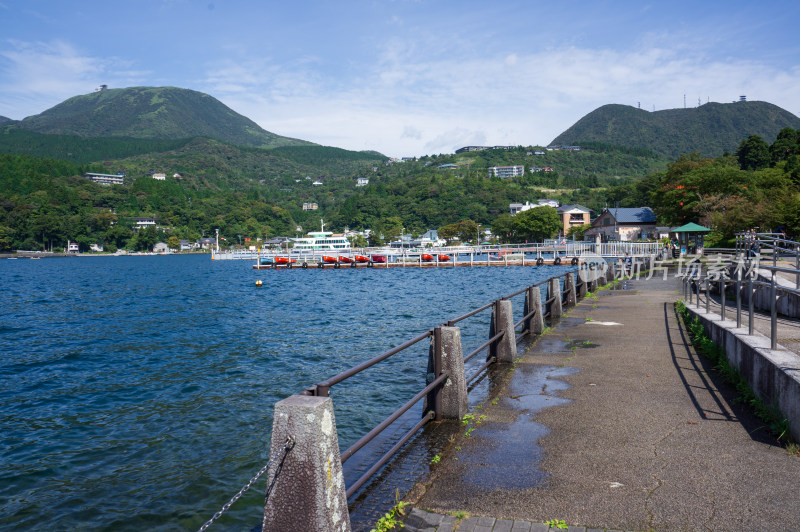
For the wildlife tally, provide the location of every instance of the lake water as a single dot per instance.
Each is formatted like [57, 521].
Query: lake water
[137, 392]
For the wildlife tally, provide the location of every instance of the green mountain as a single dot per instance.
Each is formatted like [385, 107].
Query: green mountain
[152, 113]
[4, 119]
[710, 129]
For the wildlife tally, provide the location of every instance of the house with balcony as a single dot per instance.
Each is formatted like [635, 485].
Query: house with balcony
[574, 216]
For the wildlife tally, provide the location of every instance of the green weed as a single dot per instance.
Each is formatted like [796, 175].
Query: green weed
[391, 519]
[778, 425]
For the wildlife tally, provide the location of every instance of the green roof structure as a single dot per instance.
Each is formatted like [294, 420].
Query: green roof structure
[691, 227]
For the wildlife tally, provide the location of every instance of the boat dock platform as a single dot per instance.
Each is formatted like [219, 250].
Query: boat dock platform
[558, 261]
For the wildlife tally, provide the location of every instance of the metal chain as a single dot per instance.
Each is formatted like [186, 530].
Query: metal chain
[286, 447]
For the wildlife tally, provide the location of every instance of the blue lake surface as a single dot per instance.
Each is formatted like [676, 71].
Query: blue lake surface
[137, 392]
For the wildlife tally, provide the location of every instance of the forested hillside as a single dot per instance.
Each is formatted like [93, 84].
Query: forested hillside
[225, 179]
[757, 187]
[155, 113]
[710, 129]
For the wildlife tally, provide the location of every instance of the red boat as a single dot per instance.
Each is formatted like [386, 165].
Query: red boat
[379, 258]
[345, 260]
[284, 260]
[444, 258]
[361, 258]
[427, 258]
[329, 260]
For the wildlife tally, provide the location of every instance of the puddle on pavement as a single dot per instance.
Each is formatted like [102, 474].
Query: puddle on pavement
[507, 455]
[551, 346]
[622, 285]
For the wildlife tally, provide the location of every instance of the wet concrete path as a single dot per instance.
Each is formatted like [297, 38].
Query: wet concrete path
[642, 434]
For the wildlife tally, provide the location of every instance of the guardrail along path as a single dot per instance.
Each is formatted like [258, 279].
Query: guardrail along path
[643, 434]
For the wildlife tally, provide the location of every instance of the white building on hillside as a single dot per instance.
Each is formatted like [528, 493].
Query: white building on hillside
[505, 172]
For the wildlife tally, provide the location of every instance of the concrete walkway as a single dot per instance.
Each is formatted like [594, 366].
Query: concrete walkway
[641, 435]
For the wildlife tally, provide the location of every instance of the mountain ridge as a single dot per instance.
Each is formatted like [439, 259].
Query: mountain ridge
[152, 112]
[710, 129]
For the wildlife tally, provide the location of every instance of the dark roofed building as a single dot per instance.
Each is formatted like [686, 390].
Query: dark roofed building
[626, 224]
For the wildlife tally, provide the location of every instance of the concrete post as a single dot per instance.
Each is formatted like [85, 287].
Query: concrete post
[533, 300]
[454, 402]
[569, 288]
[505, 349]
[305, 490]
[583, 286]
[554, 291]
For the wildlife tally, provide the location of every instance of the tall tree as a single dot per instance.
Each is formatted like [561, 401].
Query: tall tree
[786, 145]
[753, 153]
[534, 225]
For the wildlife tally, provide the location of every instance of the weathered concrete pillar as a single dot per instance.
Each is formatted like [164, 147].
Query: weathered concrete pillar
[454, 402]
[533, 300]
[554, 291]
[305, 488]
[504, 349]
[569, 288]
[583, 276]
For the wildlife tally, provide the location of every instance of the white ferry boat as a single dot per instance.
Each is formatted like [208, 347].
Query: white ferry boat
[321, 241]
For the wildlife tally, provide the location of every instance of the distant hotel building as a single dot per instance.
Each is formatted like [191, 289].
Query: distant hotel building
[160, 177]
[104, 179]
[505, 172]
[310, 206]
[479, 148]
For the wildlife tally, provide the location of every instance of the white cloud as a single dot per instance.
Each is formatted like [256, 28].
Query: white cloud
[418, 95]
[528, 100]
[34, 76]
[410, 132]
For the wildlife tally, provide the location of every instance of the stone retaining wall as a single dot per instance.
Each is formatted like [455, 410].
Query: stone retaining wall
[774, 375]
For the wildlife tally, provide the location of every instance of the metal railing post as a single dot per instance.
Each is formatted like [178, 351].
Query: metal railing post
[797, 266]
[750, 304]
[774, 314]
[722, 288]
[708, 292]
[738, 298]
[774, 253]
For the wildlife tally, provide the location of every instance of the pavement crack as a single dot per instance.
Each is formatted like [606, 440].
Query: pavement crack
[657, 476]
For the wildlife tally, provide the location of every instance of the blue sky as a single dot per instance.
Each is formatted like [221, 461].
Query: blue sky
[406, 77]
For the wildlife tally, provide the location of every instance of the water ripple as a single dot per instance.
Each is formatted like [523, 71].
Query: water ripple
[137, 392]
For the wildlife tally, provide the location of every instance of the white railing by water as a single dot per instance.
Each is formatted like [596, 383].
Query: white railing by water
[569, 249]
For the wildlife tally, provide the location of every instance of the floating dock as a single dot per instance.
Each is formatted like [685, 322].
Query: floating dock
[559, 261]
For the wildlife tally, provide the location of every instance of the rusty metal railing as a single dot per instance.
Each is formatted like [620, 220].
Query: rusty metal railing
[433, 389]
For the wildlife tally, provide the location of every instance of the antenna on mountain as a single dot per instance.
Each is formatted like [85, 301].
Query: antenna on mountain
[684, 100]
[699, 103]
[639, 105]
